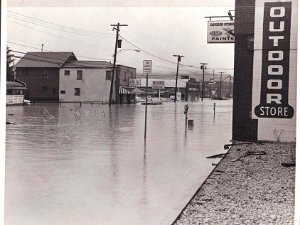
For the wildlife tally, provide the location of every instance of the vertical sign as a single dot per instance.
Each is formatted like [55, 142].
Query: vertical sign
[275, 69]
[147, 67]
[276, 34]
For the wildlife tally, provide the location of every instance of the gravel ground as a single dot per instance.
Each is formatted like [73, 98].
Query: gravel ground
[248, 186]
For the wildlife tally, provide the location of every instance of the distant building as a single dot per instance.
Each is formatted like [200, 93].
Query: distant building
[85, 81]
[193, 90]
[59, 76]
[40, 72]
[15, 91]
[125, 92]
[168, 90]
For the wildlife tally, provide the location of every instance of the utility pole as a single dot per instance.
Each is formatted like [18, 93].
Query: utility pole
[203, 65]
[178, 60]
[118, 25]
[221, 84]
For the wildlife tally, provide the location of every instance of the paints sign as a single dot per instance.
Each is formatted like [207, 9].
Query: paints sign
[220, 31]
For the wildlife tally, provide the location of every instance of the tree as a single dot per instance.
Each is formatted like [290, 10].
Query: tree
[10, 69]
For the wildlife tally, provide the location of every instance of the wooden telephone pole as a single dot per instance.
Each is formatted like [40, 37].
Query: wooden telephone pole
[117, 28]
[178, 60]
[203, 65]
[220, 92]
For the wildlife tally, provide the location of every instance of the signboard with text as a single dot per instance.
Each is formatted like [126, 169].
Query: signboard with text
[220, 31]
[147, 67]
[158, 84]
[275, 69]
[134, 82]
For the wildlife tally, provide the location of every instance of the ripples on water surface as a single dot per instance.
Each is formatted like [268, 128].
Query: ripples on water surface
[90, 165]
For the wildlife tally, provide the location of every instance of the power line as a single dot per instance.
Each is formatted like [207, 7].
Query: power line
[166, 60]
[23, 45]
[80, 42]
[149, 53]
[55, 51]
[47, 26]
[58, 25]
[54, 28]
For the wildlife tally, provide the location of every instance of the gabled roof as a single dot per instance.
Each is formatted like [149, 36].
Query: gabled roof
[45, 59]
[88, 64]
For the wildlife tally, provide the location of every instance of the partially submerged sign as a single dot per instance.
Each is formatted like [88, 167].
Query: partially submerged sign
[220, 31]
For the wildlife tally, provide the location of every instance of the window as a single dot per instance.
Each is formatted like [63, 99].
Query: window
[16, 92]
[124, 78]
[79, 74]
[77, 92]
[45, 74]
[67, 72]
[44, 88]
[9, 92]
[108, 75]
[54, 90]
[63, 92]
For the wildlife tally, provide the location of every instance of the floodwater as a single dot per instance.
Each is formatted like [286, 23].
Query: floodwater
[89, 164]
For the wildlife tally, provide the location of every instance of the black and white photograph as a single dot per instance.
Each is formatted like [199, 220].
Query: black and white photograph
[154, 112]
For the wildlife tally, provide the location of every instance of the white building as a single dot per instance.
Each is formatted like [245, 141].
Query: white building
[85, 81]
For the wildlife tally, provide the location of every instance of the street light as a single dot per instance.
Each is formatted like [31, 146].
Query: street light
[230, 15]
[128, 49]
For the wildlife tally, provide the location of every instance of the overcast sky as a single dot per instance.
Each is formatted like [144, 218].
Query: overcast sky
[84, 28]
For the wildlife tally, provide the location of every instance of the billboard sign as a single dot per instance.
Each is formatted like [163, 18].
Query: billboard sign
[220, 31]
[147, 67]
[158, 84]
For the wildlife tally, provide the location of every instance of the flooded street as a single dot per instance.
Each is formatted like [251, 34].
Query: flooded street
[89, 164]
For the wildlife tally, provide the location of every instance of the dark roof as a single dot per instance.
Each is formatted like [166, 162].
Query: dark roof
[15, 85]
[45, 59]
[119, 65]
[88, 64]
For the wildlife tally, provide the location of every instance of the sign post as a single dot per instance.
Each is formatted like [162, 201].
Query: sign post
[147, 68]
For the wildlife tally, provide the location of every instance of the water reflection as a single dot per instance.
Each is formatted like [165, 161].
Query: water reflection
[90, 164]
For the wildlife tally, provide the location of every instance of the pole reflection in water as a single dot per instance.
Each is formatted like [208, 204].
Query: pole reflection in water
[67, 164]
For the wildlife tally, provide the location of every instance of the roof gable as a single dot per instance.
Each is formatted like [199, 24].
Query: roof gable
[45, 59]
